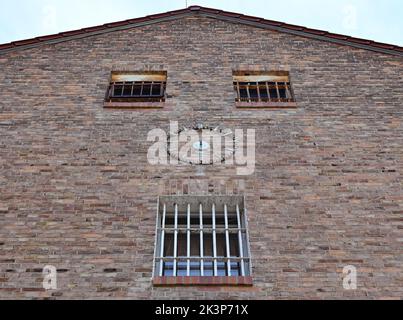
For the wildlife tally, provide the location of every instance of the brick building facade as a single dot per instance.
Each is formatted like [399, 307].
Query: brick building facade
[78, 192]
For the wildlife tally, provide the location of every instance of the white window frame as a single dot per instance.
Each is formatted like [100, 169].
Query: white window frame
[203, 207]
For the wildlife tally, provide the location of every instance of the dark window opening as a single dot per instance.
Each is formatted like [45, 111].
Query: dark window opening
[263, 87]
[137, 87]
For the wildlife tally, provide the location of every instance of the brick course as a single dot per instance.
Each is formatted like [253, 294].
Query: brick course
[76, 190]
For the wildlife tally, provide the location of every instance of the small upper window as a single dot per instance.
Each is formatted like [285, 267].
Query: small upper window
[137, 87]
[263, 89]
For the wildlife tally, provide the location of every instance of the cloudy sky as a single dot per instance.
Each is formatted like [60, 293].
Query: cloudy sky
[371, 19]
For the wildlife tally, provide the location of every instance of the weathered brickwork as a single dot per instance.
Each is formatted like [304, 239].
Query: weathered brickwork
[77, 192]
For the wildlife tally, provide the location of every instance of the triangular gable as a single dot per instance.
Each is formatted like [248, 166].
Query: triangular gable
[207, 12]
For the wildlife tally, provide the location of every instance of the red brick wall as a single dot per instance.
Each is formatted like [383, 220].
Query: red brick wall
[76, 190]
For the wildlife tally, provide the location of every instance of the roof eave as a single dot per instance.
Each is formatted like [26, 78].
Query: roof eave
[207, 12]
[56, 40]
[316, 36]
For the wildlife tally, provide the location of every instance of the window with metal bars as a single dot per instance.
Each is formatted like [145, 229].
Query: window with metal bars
[202, 236]
[261, 87]
[137, 87]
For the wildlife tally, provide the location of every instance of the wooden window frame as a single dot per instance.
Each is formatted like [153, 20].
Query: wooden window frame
[263, 84]
[140, 80]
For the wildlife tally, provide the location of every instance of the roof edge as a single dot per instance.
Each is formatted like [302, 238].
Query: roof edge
[208, 12]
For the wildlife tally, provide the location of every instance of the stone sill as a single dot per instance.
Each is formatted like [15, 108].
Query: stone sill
[134, 105]
[203, 281]
[266, 105]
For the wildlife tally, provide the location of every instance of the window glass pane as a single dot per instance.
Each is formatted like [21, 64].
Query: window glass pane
[253, 91]
[235, 269]
[195, 269]
[168, 269]
[169, 221]
[169, 245]
[263, 92]
[232, 221]
[127, 90]
[283, 94]
[208, 221]
[156, 90]
[243, 93]
[194, 222]
[137, 89]
[146, 89]
[234, 245]
[221, 245]
[195, 244]
[208, 268]
[182, 268]
[182, 245]
[117, 90]
[273, 90]
[182, 222]
[208, 244]
[221, 269]
[282, 90]
[220, 222]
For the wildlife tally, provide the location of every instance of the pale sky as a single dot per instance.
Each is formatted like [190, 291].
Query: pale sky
[370, 19]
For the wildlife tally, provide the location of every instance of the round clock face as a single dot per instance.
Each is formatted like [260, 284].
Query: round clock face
[203, 145]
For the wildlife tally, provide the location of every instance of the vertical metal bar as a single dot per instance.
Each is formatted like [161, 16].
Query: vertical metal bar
[201, 242]
[240, 241]
[268, 91]
[131, 93]
[123, 89]
[142, 89]
[248, 252]
[164, 214]
[151, 88]
[214, 240]
[258, 92]
[164, 88]
[175, 242]
[239, 91]
[188, 242]
[247, 90]
[287, 92]
[278, 92]
[227, 240]
[156, 241]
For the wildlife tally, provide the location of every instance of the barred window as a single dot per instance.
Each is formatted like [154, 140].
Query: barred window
[137, 87]
[263, 87]
[202, 236]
